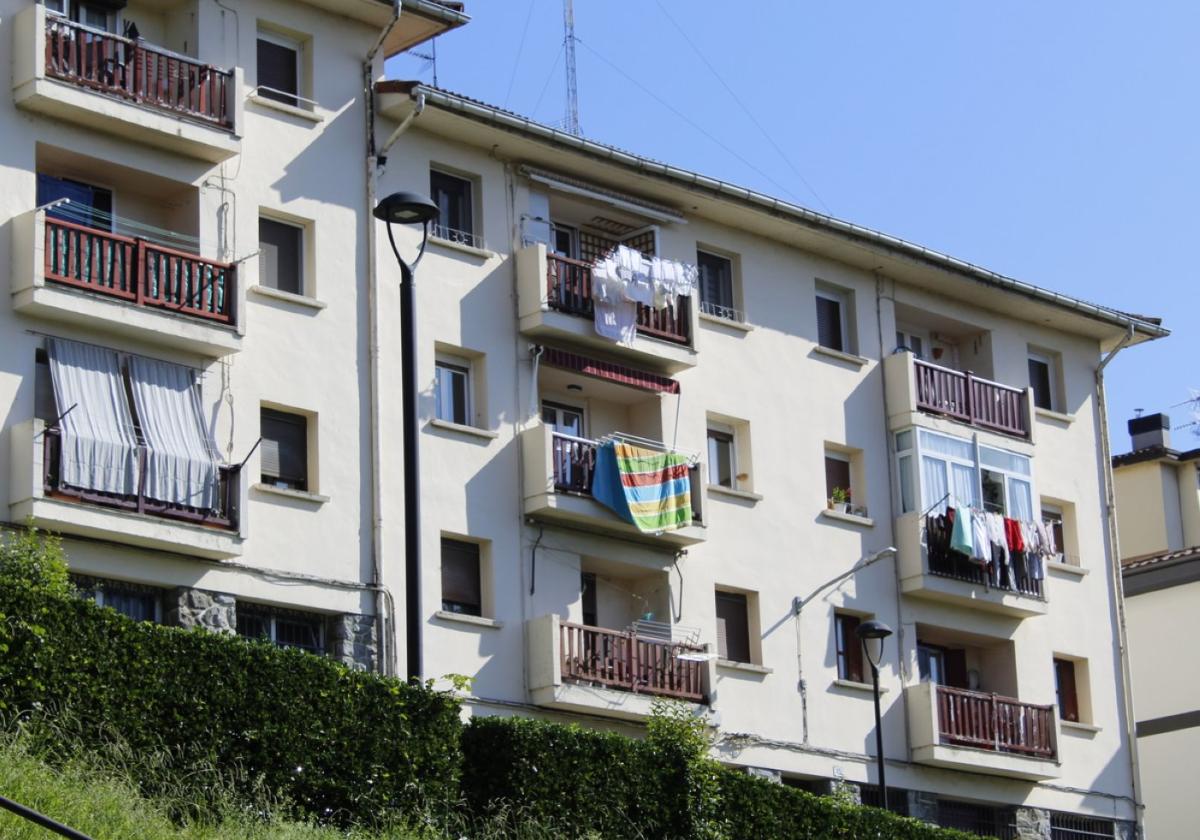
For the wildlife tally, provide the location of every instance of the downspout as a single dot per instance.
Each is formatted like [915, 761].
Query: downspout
[1110, 511]
[383, 601]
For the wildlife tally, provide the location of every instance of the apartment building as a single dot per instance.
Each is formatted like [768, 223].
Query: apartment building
[1158, 510]
[215, 308]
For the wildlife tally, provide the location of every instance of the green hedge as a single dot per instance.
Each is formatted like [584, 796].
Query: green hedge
[337, 743]
[583, 780]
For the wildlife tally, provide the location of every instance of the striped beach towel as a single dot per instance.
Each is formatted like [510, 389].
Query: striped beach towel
[649, 489]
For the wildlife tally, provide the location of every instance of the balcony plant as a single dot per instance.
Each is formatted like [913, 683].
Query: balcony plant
[839, 499]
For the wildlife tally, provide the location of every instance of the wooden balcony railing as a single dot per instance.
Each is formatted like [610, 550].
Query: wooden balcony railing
[569, 289]
[622, 660]
[134, 70]
[991, 722]
[139, 271]
[967, 397]
[224, 516]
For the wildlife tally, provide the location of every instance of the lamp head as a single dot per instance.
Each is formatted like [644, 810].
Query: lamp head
[406, 208]
[873, 633]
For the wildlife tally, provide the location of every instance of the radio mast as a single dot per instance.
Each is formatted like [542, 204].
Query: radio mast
[572, 86]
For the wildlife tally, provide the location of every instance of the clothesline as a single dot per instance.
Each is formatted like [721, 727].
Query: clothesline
[625, 278]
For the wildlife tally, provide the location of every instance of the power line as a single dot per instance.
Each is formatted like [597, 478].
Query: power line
[687, 119]
[520, 50]
[546, 84]
[742, 105]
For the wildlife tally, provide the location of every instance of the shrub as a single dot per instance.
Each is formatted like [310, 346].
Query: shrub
[337, 743]
[34, 560]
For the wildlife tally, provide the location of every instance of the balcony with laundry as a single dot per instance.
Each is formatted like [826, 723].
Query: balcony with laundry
[119, 449]
[127, 69]
[616, 648]
[591, 273]
[596, 457]
[944, 368]
[964, 713]
[140, 274]
[970, 532]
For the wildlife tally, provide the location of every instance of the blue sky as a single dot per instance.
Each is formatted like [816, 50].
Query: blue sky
[1053, 142]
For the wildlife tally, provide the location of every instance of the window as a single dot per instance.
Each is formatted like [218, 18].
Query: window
[281, 249]
[1075, 827]
[452, 390]
[931, 664]
[1043, 379]
[1064, 690]
[904, 472]
[833, 327]
[285, 628]
[716, 286]
[837, 477]
[733, 626]
[565, 240]
[587, 588]
[454, 198]
[136, 601]
[278, 69]
[849, 648]
[949, 476]
[90, 206]
[284, 449]
[913, 342]
[1052, 517]
[462, 590]
[722, 457]
[973, 818]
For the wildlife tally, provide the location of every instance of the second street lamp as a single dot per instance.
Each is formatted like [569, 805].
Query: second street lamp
[872, 634]
[406, 208]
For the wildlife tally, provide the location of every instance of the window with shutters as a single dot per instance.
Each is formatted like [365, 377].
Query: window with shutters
[1045, 379]
[454, 196]
[942, 665]
[849, 648]
[1072, 689]
[737, 623]
[282, 627]
[462, 577]
[718, 289]
[281, 68]
[835, 319]
[281, 256]
[284, 450]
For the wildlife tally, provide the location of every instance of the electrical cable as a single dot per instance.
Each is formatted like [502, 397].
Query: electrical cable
[699, 128]
[742, 105]
[520, 50]
[546, 84]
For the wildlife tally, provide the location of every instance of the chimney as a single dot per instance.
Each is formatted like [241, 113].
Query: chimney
[1151, 430]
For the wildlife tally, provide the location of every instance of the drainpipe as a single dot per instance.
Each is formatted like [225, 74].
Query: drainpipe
[1118, 583]
[383, 600]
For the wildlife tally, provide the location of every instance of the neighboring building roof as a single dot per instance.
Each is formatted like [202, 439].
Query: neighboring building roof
[1160, 571]
[1155, 453]
[899, 251]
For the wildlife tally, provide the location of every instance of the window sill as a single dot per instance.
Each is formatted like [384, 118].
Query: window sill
[298, 495]
[459, 428]
[850, 518]
[858, 686]
[473, 620]
[1068, 569]
[850, 358]
[726, 322]
[288, 297]
[746, 667]
[744, 495]
[283, 107]
[451, 245]
[1077, 726]
[1056, 416]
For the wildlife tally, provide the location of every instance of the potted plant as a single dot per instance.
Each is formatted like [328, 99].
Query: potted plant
[840, 499]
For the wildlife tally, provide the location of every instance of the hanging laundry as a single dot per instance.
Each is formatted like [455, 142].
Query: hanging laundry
[649, 489]
[962, 535]
[982, 553]
[614, 315]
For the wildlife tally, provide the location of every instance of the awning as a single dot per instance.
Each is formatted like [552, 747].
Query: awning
[610, 371]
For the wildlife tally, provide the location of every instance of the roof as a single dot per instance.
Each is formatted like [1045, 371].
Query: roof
[806, 226]
[1155, 453]
[1180, 556]
[1160, 571]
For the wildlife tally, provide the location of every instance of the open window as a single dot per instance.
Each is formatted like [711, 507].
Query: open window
[1071, 689]
[844, 479]
[835, 318]
[282, 67]
[457, 219]
[729, 459]
[848, 647]
[718, 286]
[1045, 378]
[459, 386]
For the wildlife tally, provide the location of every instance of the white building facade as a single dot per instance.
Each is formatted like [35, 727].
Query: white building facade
[825, 392]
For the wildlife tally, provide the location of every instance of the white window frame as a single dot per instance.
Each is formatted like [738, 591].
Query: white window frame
[1052, 375]
[731, 431]
[571, 231]
[472, 238]
[297, 46]
[460, 366]
[904, 339]
[842, 298]
[920, 452]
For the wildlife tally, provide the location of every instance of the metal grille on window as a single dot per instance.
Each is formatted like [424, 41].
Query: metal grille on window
[298, 632]
[716, 286]
[897, 799]
[455, 221]
[983, 820]
[1075, 827]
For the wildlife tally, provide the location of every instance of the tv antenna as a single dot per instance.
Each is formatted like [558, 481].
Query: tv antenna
[569, 53]
[430, 59]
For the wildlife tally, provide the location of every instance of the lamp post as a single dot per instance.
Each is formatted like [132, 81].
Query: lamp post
[406, 208]
[873, 633]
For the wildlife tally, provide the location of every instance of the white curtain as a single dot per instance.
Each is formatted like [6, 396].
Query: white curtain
[1020, 500]
[180, 467]
[964, 488]
[99, 448]
[933, 484]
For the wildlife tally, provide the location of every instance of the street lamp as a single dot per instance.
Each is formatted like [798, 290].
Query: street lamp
[407, 208]
[873, 633]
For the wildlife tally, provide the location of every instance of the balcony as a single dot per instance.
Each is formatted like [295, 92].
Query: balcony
[616, 672]
[956, 580]
[122, 87]
[982, 733]
[81, 275]
[135, 519]
[558, 481]
[919, 386]
[555, 300]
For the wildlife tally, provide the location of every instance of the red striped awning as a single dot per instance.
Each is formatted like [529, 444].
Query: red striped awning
[609, 371]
